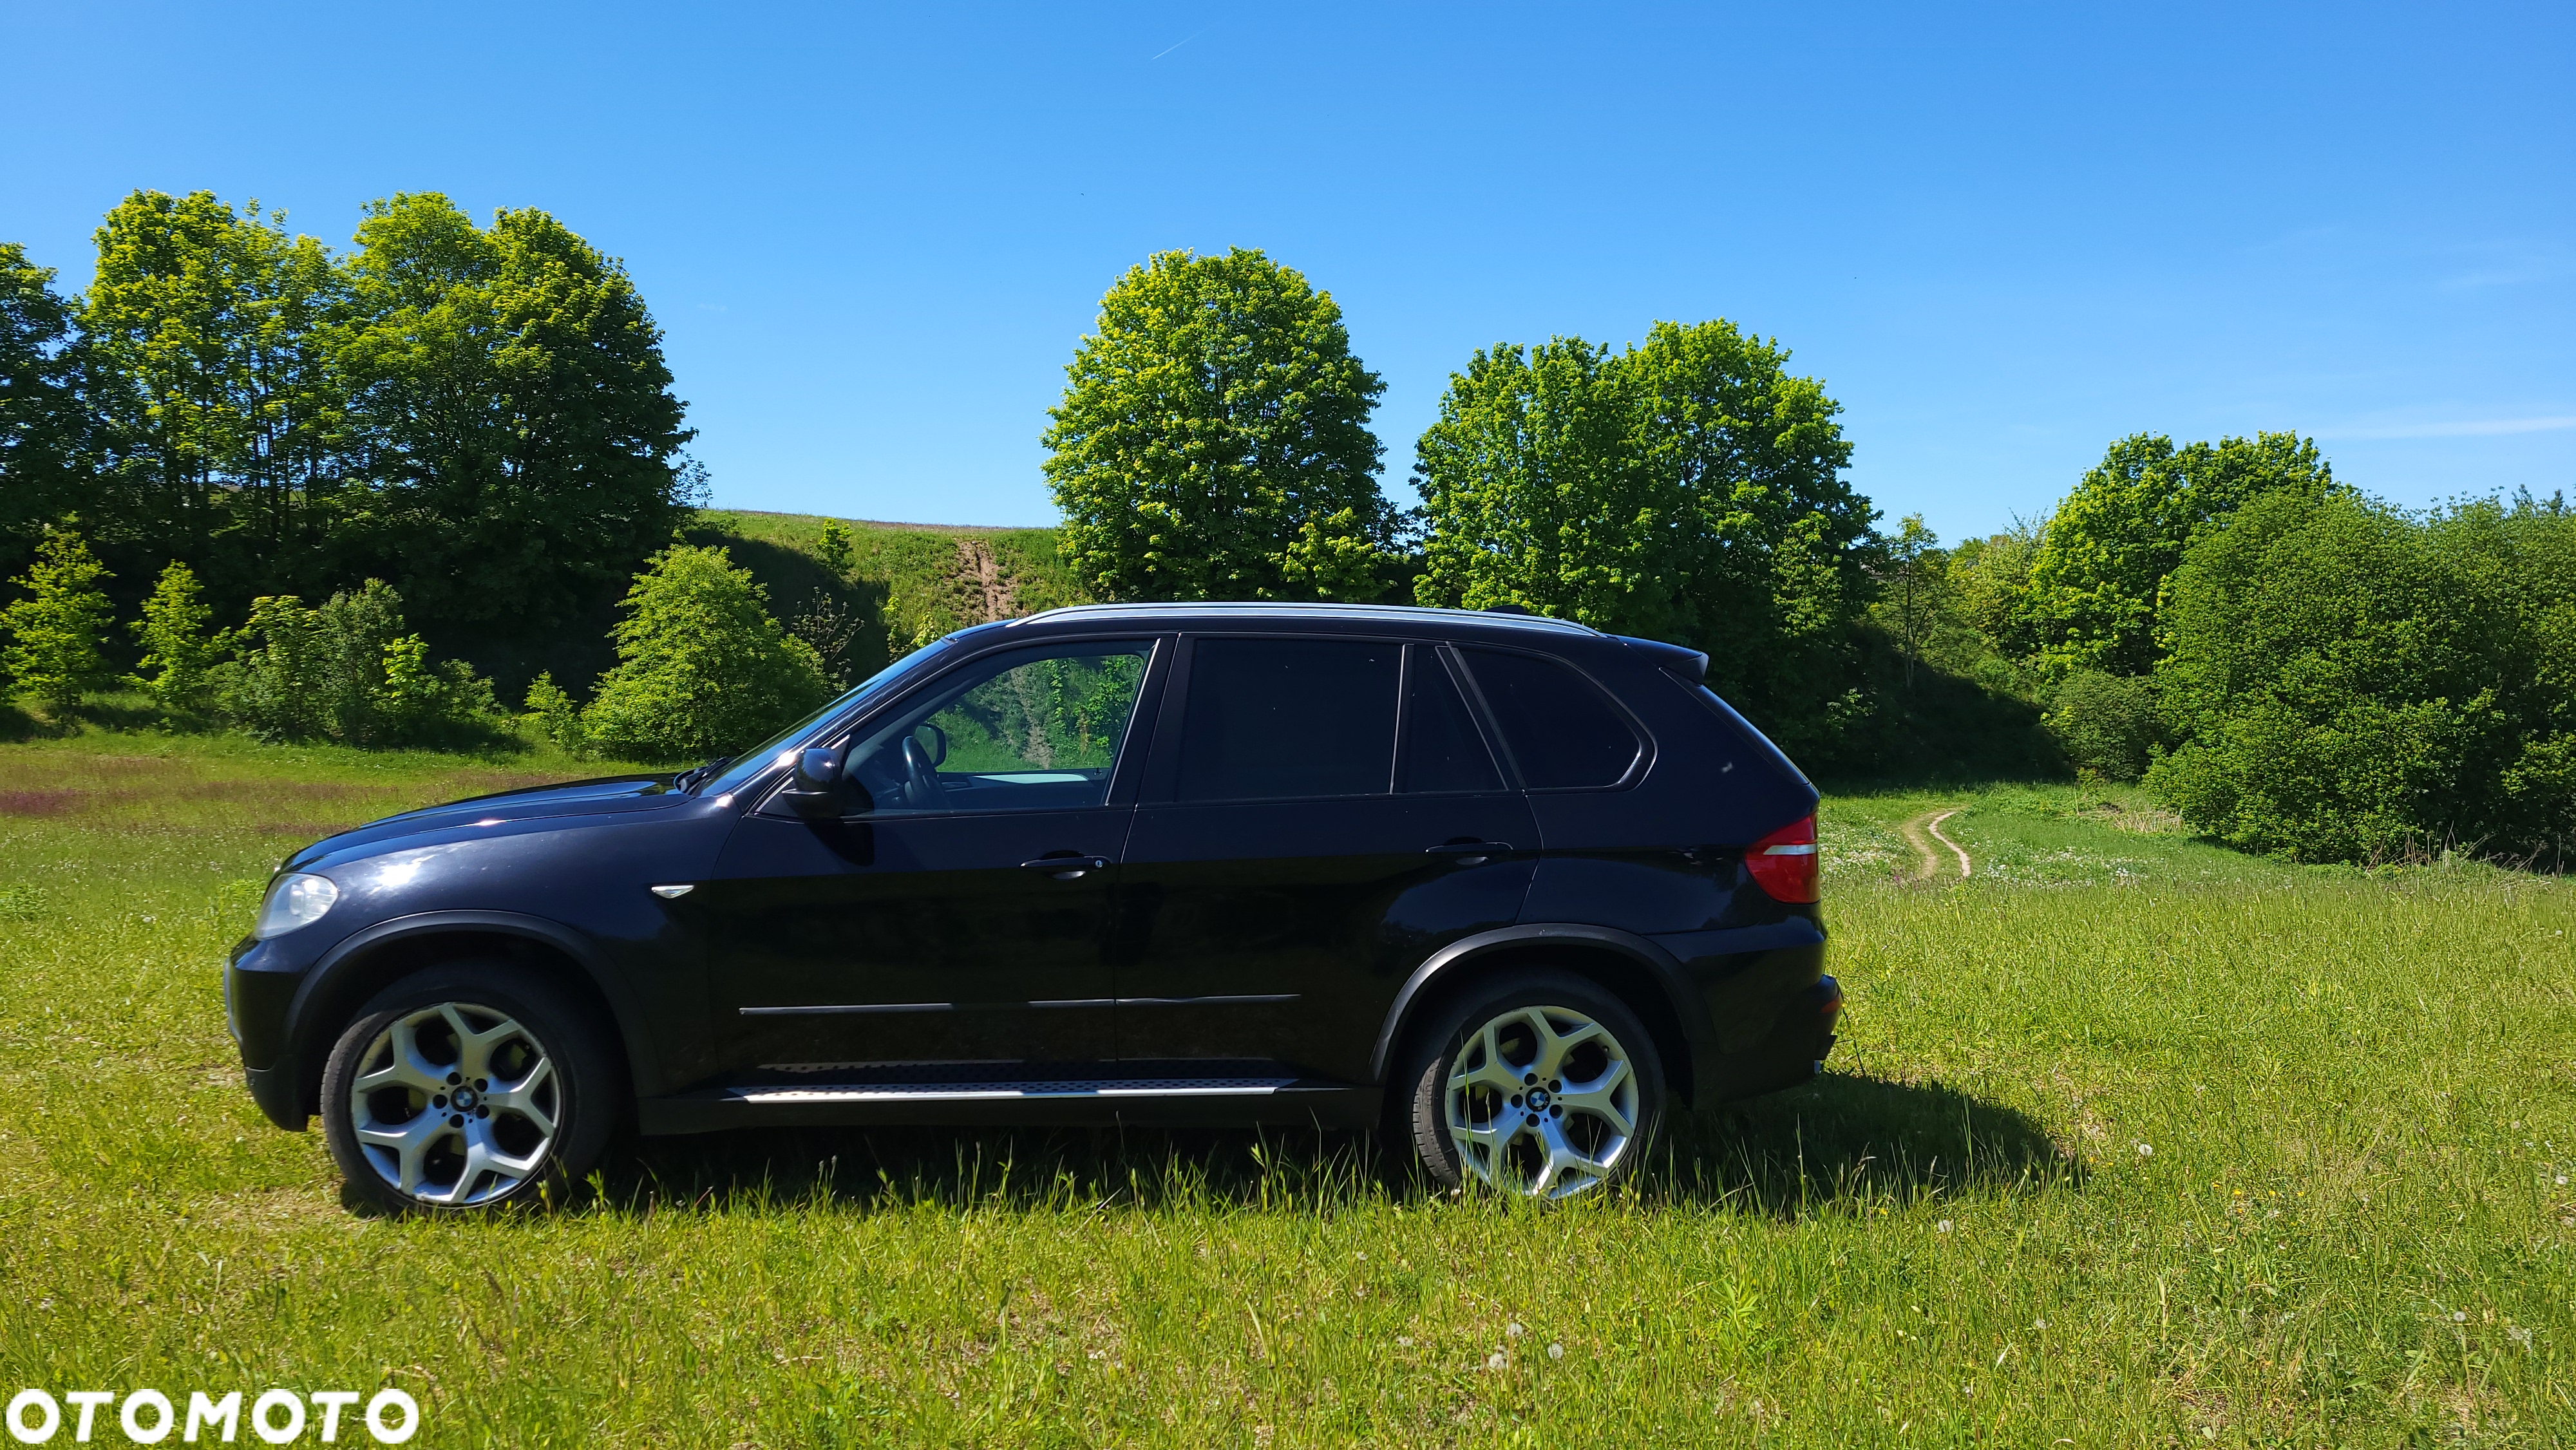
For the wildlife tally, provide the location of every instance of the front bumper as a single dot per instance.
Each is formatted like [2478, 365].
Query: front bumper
[279, 1091]
[255, 1011]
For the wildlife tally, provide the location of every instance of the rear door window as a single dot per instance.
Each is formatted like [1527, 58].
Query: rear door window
[1443, 750]
[1562, 731]
[1280, 719]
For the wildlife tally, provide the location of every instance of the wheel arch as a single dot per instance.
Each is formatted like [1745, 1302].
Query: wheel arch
[374, 959]
[1630, 967]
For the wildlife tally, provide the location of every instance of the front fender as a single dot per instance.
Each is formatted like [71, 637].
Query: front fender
[336, 981]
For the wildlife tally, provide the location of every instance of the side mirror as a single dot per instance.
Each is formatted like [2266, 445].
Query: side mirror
[815, 789]
[933, 740]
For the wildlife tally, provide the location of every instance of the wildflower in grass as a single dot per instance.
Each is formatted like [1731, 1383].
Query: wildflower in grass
[1557, 1351]
[1943, 1225]
[1513, 1330]
[2146, 1151]
[1494, 1360]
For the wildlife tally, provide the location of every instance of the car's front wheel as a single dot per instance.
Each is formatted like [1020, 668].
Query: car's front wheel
[1538, 1083]
[466, 1088]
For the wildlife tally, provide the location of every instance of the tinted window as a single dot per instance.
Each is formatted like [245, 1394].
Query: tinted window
[1560, 730]
[1274, 718]
[1442, 749]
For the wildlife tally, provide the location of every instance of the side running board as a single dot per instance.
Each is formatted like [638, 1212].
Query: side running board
[978, 1092]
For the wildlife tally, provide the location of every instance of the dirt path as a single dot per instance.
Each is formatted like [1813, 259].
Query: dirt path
[1920, 833]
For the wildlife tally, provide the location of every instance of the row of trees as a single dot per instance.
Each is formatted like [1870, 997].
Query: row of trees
[2296, 668]
[1212, 443]
[347, 671]
[703, 666]
[480, 415]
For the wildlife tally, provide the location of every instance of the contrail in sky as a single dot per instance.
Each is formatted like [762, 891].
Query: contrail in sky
[1175, 45]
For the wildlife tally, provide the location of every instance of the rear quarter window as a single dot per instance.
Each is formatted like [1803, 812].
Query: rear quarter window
[1561, 730]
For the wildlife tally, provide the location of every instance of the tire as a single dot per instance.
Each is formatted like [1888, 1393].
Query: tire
[468, 1088]
[1476, 1109]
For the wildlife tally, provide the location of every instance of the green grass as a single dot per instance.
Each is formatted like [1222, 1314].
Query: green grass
[2351, 1228]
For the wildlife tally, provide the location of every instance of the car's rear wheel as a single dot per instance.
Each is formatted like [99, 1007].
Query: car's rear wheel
[1540, 1084]
[465, 1088]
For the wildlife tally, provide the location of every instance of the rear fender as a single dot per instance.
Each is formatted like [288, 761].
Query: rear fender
[1462, 958]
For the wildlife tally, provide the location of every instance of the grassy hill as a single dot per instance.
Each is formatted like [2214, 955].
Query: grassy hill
[905, 584]
[902, 586]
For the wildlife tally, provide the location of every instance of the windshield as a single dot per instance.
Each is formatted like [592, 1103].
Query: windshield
[758, 758]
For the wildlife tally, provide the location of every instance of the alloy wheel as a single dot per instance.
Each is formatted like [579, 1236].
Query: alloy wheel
[455, 1104]
[1541, 1101]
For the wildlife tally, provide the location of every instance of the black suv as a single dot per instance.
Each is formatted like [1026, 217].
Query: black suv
[1497, 884]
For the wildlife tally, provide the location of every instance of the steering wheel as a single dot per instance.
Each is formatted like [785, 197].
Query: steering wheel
[922, 788]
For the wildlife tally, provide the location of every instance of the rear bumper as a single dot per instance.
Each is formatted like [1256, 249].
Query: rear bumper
[1792, 1053]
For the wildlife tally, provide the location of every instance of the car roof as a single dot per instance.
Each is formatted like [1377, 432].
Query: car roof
[1245, 613]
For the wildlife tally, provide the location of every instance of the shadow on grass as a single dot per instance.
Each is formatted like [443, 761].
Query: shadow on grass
[1841, 1144]
[1846, 1142]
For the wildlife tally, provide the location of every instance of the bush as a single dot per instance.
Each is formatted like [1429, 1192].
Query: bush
[348, 672]
[2350, 683]
[555, 714]
[2106, 724]
[703, 668]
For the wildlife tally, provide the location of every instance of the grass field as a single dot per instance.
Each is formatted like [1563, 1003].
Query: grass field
[2130, 1141]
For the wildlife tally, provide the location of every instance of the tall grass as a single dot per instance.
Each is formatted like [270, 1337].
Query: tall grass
[2129, 1141]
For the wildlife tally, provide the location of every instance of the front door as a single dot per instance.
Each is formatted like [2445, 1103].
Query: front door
[955, 920]
[1301, 865]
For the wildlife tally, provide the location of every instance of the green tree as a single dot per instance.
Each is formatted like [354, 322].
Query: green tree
[1213, 440]
[2348, 681]
[179, 643]
[1913, 573]
[834, 545]
[1534, 496]
[521, 439]
[2098, 576]
[58, 625]
[1689, 489]
[219, 414]
[703, 667]
[43, 421]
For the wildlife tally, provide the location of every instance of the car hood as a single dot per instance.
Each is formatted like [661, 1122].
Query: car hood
[611, 795]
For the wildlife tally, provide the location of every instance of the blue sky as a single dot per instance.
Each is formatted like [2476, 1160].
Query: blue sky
[2002, 236]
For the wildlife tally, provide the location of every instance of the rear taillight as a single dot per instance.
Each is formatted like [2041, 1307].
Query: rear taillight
[1784, 863]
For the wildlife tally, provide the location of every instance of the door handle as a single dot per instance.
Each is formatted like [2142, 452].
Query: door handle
[1067, 868]
[1470, 853]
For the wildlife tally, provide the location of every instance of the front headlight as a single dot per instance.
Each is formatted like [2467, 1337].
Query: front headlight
[295, 899]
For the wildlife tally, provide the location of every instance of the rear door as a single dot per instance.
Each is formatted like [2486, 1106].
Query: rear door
[1323, 813]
